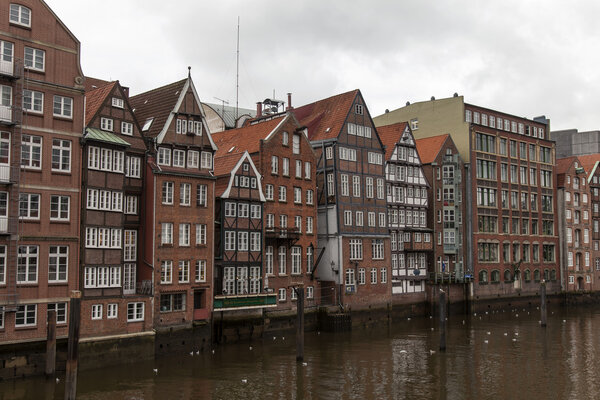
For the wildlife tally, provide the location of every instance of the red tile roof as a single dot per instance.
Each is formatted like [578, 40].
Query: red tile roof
[563, 164]
[158, 104]
[224, 163]
[588, 162]
[246, 138]
[325, 118]
[429, 148]
[390, 135]
[95, 98]
[93, 83]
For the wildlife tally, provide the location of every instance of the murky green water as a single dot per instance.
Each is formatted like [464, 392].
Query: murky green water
[505, 355]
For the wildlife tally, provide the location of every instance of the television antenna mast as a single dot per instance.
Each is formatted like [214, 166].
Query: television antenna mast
[223, 102]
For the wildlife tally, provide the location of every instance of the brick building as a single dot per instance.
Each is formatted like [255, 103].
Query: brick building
[239, 206]
[591, 164]
[115, 298]
[511, 186]
[285, 159]
[406, 192]
[41, 124]
[443, 168]
[354, 240]
[179, 202]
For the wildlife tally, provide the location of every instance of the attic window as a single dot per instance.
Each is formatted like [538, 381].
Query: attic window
[116, 102]
[147, 124]
[358, 109]
[20, 15]
[246, 166]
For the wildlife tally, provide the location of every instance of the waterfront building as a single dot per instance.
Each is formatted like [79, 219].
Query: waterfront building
[178, 202]
[285, 159]
[510, 178]
[41, 125]
[238, 274]
[115, 284]
[406, 193]
[354, 238]
[443, 169]
[591, 165]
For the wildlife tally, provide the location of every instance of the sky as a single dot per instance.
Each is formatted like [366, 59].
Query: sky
[527, 58]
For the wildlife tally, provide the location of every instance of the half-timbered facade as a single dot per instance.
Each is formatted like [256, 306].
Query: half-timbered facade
[179, 202]
[114, 292]
[41, 124]
[285, 159]
[406, 193]
[239, 242]
[354, 245]
[591, 164]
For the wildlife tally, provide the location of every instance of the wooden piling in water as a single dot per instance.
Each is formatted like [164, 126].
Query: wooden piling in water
[442, 306]
[51, 344]
[73, 346]
[300, 322]
[543, 307]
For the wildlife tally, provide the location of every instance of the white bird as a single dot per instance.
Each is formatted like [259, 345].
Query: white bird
[304, 364]
[244, 380]
[155, 371]
[250, 348]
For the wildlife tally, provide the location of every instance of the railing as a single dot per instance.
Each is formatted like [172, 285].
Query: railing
[5, 173]
[6, 114]
[282, 233]
[7, 68]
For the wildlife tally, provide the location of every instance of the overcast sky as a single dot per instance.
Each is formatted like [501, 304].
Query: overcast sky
[522, 57]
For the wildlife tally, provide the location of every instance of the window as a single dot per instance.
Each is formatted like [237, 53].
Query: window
[63, 107]
[178, 158]
[330, 185]
[296, 260]
[269, 260]
[229, 240]
[285, 170]
[34, 59]
[309, 197]
[133, 167]
[282, 260]
[166, 236]
[164, 156]
[61, 312]
[172, 302]
[20, 15]
[185, 194]
[382, 219]
[96, 311]
[31, 151]
[282, 294]
[380, 191]
[201, 195]
[184, 271]
[135, 312]
[242, 238]
[282, 194]
[345, 191]
[59, 208]
[131, 205]
[296, 144]
[350, 278]
[61, 155]
[200, 234]
[166, 271]
[297, 195]
[369, 187]
[117, 102]
[307, 174]
[29, 206]
[356, 186]
[58, 261]
[167, 192]
[361, 276]
[356, 249]
[184, 235]
[106, 124]
[377, 247]
[26, 315]
[329, 152]
[269, 192]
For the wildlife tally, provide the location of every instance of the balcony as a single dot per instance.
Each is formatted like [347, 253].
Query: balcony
[286, 234]
[6, 116]
[8, 225]
[143, 287]
[6, 173]
[7, 68]
[450, 248]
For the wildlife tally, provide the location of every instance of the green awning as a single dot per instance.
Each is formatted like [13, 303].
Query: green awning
[103, 136]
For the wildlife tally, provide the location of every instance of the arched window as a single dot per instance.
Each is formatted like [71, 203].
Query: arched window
[495, 277]
[546, 274]
[507, 276]
[527, 275]
[553, 274]
[536, 275]
[483, 276]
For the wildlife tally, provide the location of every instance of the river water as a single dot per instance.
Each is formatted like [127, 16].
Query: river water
[499, 355]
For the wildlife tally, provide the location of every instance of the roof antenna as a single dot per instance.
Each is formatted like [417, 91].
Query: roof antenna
[189, 71]
[237, 70]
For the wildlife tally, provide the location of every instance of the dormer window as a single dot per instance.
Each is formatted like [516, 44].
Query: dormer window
[20, 15]
[116, 102]
[358, 109]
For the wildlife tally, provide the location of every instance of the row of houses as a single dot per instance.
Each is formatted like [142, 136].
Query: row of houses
[163, 213]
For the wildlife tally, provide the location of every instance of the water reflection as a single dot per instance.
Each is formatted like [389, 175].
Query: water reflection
[499, 355]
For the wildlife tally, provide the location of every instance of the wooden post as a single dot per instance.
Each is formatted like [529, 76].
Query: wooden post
[442, 306]
[73, 346]
[51, 344]
[543, 309]
[300, 322]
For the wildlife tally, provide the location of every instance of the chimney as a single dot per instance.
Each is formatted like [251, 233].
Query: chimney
[289, 107]
[258, 109]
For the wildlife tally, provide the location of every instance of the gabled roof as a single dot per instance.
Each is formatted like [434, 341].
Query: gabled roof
[429, 148]
[390, 135]
[325, 118]
[91, 83]
[247, 138]
[158, 104]
[589, 163]
[563, 164]
[95, 98]
[230, 165]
